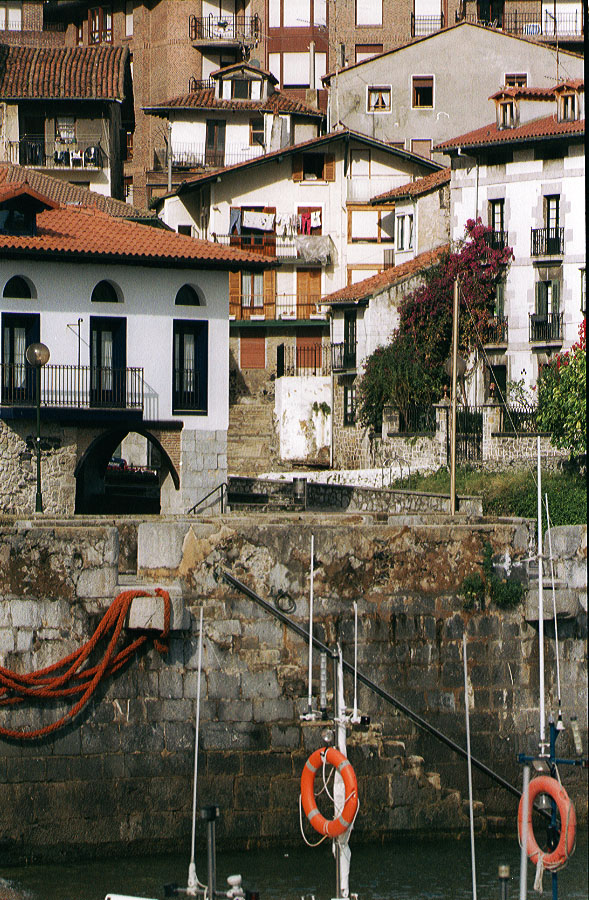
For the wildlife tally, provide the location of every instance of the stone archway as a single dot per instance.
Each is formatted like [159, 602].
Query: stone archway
[100, 489]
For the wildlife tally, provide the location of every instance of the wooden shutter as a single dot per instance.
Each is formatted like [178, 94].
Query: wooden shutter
[234, 294]
[555, 298]
[329, 167]
[541, 299]
[309, 349]
[297, 167]
[253, 349]
[270, 293]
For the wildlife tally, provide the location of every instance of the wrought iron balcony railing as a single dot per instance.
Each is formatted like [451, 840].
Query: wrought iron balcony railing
[547, 242]
[343, 357]
[233, 29]
[495, 331]
[497, 240]
[545, 328]
[187, 391]
[82, 153]
[72, 387]
[424, 25]
[199, 156]
[311, 360]
[567, 25]
[277, 306]
[269, 244]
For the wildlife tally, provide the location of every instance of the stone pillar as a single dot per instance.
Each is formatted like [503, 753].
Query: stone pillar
[491, 425]
[443, 430]
[390, 421]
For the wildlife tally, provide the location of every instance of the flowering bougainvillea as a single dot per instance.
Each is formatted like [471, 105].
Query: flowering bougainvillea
[562, 402]
[410, 370]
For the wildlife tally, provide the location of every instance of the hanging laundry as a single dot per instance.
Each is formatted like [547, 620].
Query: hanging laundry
[258, 220]
[316, 218]
[234, 220]
[306, 223]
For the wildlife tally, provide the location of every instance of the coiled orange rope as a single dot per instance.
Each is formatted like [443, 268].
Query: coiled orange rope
[64, 678]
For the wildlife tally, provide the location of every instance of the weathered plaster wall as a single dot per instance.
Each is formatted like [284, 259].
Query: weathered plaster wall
[119, 778]
[303, 415]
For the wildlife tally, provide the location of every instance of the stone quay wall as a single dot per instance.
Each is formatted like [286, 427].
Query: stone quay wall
[118, 778]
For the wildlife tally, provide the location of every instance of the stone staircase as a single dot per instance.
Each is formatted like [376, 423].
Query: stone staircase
[252, 446]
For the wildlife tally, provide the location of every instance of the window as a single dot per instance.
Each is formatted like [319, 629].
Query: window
[366, 51]
[129, 18]
[128, 149]
[499, 303]
[17, 221]
[128, 187]
[507, 114]
[79, 33]
[309, 220]
[65, 129]
[100, 24]
[423, 92]
[10, 15]
[496, 215]
[190, 362]
[186, 296]
[516, 79]
[368, 12]
[349, 404]
[240, 88]
[379, 99]
[18, 331]
[105, 292]
[186, 230]
[257, 132]
[252, 290]
[313, 167]
[286, 14]
[405, 231]
[546, 322]
[367, 224]
[583, 292]
[568, 108]
[552, 211]
[18, 288]
[108, 359]
[253, 349]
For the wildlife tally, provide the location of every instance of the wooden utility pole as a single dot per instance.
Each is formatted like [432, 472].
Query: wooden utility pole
[453, 395]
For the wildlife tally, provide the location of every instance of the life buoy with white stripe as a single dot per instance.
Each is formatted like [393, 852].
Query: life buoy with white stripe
[558, 858]
[337, 826]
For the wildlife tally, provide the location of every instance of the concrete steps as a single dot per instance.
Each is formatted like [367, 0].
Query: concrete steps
[251, 440]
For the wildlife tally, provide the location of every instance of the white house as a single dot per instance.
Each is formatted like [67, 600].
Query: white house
[136, 322]
[524, 176]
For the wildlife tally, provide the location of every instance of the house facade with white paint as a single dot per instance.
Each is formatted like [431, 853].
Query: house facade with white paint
[524, 176]
[136, 322]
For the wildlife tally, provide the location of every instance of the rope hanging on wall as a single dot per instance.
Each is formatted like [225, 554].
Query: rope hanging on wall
[66, 679]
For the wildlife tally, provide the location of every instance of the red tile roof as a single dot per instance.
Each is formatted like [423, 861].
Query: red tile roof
[12, 191]
[546, 127]
[376, 284]
[92, 234]
[205, 99]
[417, 188]
[236, 67]
[66, 194]
[576, 84]
[524, 93]
[72, 73]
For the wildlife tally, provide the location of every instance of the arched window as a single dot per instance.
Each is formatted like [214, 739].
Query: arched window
[18, 288]
[187, 296]
[105, 292]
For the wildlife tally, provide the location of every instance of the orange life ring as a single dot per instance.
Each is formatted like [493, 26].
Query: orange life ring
[558, 858]
[332, 827]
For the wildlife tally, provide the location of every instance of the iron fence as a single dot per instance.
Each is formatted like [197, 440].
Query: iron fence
[545, 328]
[224, 28]
[72, 387]
[547, 241]
[417, 420]
[309, 360]
[424, 25]
[519, 419]
[343, 356]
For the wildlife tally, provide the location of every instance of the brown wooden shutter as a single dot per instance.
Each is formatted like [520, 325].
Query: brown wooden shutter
[253, 349]
[329, 167]
[309, 349]
[270, 293]
[297, 167]
[234, 294]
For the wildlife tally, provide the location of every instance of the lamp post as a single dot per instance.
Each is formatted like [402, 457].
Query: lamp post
[38, 356]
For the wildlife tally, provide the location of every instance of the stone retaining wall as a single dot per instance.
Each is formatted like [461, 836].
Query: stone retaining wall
[118, 779]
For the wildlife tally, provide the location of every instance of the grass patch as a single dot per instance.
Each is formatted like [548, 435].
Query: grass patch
[512, 493]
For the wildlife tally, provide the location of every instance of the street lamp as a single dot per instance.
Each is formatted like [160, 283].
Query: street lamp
[38, 356]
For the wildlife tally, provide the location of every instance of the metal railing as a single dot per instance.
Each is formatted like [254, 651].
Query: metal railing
[224, 28]
[268, 244]
[496, 240]
[417, 420]
[222, 490]
[14, 24]
[200, 84]
[519, 419]
[343, 356]
[199, 156]
[424, 25]
[72, 387]
[531, 23]
[544, 328]
[311, 360]
[277, 306]
[495, 330]
[186, 390]
[547, 242]
[37, 151]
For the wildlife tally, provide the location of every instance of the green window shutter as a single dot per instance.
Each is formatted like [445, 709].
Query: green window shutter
[555, 298]
[541, 299]
[500, 298]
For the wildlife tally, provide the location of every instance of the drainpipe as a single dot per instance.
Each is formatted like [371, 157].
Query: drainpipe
[169, 157]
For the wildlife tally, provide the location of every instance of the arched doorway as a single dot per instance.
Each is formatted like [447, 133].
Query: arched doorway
[107, 483]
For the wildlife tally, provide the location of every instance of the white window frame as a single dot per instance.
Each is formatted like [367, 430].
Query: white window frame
[383, 88]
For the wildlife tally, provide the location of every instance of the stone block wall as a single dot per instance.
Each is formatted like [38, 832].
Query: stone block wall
[18, 464]
[118, 779]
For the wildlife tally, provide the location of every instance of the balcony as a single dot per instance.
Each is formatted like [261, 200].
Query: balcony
[311, 360]
[497, 240]
[362, 190]
[343, 357]
[546, 329]
[42, 154]
[307, 249]
[421, 26]
[199, 156]
[547, 242]
[568, 26]
[72, 387]
[233, 30]
[280, 306]
[495, 330]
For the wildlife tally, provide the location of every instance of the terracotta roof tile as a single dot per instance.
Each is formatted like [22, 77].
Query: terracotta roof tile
[363, 290]
[65, 194]
[524, 93]
[417, 188]
[87, 73]
[235, 67]
[205, 99]
[577, 84]
[529, 131]
[91, 233]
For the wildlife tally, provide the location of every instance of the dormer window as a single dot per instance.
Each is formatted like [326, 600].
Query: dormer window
[18, 221]
[506, 114]
[568, 108]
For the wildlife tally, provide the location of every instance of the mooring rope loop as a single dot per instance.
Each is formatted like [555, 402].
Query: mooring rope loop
[65, 678]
